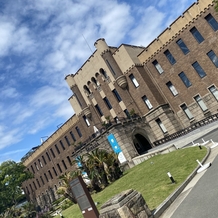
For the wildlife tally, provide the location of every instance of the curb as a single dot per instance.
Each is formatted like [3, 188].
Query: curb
[169, 200]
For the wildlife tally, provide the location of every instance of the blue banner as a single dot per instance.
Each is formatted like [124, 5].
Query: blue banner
[114, 144]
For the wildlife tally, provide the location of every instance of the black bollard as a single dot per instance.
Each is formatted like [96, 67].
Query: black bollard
[171, 178]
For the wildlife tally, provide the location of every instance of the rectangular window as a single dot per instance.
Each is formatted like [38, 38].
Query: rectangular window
[213, 57]
[64, 164]
[68, 158]
[36, 166]
[107, 102]
[59, 168]
[197, 35]
[43, 158]
[32, 169]
[200, 103]
[172, 88]
[49, 172]
[98, 110]
[62, 145]
[187, 111]
[57, 149]
[170, 57]
[147, 102]
[110, 67]
[214, 92]
[199, 69]
[54, 171]
[117, 96]
[72, 136]
[52, 152]
[67, 140]
[34, 185]
[42, 180]
[134, 81]
[183, 46]
[185, 79]
[31, 187]
[38, 183]
[40, 163]
[46, 177]
[127, 113]
[213, 23]
[86, 120]
[161, 125]
[48, 156]
[157, 66]
[78, 131]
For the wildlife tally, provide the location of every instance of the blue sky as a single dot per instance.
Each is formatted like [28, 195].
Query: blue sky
[41, 41]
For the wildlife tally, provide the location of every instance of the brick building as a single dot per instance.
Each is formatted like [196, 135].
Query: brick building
[139, 96]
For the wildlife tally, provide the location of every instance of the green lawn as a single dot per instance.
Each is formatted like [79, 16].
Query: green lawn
[150, 178]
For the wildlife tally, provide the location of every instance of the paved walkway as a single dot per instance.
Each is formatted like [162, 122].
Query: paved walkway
[200, 197]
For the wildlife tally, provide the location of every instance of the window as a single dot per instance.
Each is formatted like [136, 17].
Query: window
[96, 83]
[42, 180]
[213, 57]
[103, 73]
[214, 92]
[86, 89]
[43, 158]
[108, 104]
[134, 81]
[172, 88]
[110, 67]
[49, 172]
[161, 125]
[53, 154]
[46, 177]
[78, 131]
[57, 149]
[67, 140]
[59, 168]
[183, 46]
[48, 156]
[170, 57]
[62, 145]
[36, 166]
[68, 158]
[117, 96]
[187, 111]
[213, 23]
[197, 35]
[98, 110]
[34, 185]
[54, 171]
[147, 102]
[200, 103]
[157, 66]
[31, 187]
[86, 120]
[32, 169]
[127, 113]
[185, 79]
[64, 164]
[40, 163]
[199, 69]
[72, 136]
[38, 183]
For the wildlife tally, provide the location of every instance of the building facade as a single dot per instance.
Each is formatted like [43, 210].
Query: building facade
[137, 95]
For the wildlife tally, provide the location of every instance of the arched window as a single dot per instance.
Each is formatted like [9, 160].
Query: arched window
[103, 73]
[86, 89]
[96, 83]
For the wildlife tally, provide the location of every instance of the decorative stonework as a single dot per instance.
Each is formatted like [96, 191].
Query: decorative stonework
[122, 81]
[129, 203]
[87, 112]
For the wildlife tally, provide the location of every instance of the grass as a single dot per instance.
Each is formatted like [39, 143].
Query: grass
[150, 178]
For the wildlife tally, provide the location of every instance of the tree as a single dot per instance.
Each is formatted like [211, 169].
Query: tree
[216, 5]
[12, 175]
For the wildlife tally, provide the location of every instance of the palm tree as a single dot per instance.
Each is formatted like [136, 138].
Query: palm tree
[65, 189]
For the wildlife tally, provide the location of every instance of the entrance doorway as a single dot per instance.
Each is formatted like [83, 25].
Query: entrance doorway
[142, 145]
